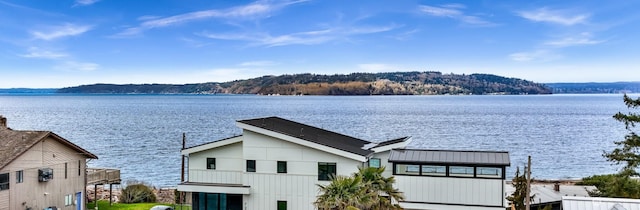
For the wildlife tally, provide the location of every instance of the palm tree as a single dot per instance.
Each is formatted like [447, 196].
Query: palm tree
[344, 192]
[382, 187]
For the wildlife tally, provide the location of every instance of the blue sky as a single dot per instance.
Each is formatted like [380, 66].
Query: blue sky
[61, 43]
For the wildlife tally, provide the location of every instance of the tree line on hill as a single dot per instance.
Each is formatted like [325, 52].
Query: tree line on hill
[391, 83]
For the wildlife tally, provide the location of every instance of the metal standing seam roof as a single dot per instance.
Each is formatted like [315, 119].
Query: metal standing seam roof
[497, 158]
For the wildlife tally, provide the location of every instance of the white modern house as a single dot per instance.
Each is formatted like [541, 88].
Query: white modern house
[277, 164]
[40, 170]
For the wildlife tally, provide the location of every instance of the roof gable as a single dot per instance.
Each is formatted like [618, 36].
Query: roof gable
[14, 143]
[489, 158]
[311, 134]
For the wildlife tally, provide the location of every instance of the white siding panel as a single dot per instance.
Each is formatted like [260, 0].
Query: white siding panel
[466, 191]
[4, 200]
[299, 191]
[215, 176]
[228, 158]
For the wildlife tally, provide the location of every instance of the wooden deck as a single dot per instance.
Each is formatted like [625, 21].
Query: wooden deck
[102, 176]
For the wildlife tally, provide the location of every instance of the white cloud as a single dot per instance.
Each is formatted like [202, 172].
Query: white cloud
[537, 55]
[554, 16]
[77, 66]
[300, 38]
[454, 11]
[65, 30]
[258, 63]
[85, 2]
[254, 10]
[377, 67]
[35, 52]
[582, 39]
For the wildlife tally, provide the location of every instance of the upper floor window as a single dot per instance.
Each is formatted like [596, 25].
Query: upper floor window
[434, 170]
[326, 171]
[19, 176]
[489, 172]
[4, 181]
[211, 163]
[65, 170]
[251, 165]
[282, 166]
[465, 171]
[374, 162]
[408, 169]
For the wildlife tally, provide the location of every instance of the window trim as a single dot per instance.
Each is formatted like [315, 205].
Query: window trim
[476, 175]
[19, 176]
[284, 167]
[252, 163]
[209, 165]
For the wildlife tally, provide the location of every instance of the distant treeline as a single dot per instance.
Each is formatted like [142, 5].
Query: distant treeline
[392, 83]
[593, 87]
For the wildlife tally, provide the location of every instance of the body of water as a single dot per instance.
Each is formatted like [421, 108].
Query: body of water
[142, 134]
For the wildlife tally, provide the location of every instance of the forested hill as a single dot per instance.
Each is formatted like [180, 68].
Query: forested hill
[394, 83]
[596, 87]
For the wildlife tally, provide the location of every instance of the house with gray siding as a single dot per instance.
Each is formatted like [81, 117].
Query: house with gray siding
[39, 169]
[277, 164]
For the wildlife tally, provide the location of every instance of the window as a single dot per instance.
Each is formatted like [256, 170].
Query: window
[68, 200]
[432, 170]
[211, 163]
[326, 171]
[251, 165]
[489, 172]
[282, 166]
[4, 181]
[79, 167]
[19, 176]
[465, 171]
[282, 205]
[65, 170]
[374, 162]
[408, 169]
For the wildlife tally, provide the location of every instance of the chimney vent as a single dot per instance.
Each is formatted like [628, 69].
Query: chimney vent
[3, 122]
[556, 186]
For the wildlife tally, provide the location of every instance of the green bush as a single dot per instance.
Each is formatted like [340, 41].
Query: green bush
[137, 193]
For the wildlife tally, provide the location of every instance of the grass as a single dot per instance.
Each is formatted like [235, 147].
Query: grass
[104, 205]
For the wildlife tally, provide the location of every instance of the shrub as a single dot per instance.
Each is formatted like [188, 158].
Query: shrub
[137, 193]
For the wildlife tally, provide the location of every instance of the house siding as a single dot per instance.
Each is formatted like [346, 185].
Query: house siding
[487, 193]
[48, 153]
[4, 200]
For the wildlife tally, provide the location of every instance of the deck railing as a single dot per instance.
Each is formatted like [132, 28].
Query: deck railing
[215, 176]
[103, 176]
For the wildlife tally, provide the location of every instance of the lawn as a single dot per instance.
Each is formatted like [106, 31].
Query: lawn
[104, 205]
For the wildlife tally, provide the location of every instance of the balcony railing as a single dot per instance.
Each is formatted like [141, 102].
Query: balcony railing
[215, 176]
[103, 176]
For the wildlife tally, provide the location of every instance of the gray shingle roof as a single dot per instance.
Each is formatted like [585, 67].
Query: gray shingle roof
[312, 134]
[14, 143]
[489, 158]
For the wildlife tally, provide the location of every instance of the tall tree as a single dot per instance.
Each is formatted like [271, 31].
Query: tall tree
[627, 151]
[518, 197]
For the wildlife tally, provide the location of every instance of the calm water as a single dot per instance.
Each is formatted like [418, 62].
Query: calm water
[142, 134]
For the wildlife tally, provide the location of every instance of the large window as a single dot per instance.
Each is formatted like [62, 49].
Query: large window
[408, 169]
[19, 176]
[326, 171]
[4, 181]
[211, 163]
[251, 165]
[433, 170]
[282, 205]
[374, 162]
[489, 172]
[465, 171]
[282, 166]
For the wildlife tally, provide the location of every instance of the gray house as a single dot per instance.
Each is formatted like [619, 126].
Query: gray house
[39, 169]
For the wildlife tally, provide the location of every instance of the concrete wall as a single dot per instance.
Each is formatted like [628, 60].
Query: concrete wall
[49, 153]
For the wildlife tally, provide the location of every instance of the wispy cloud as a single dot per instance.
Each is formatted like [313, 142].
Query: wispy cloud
[454, 11]
[77, 66]
[85, 2]
[35, 52]
[581, 39]
[301, 38]
[537, 55]
[56, 32]
[258, 63]
[256, 10]
[554, 16]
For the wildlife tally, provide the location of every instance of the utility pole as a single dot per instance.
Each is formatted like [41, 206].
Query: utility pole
[182, 194]
[528, 195]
